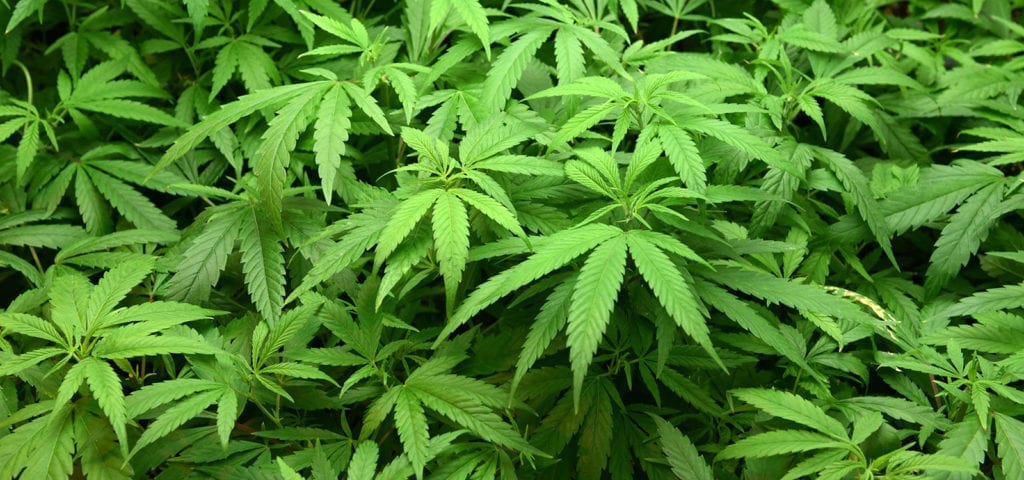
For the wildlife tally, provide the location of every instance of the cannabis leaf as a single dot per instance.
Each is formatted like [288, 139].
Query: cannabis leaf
[681, 454]
[460, 239]
[87, 328]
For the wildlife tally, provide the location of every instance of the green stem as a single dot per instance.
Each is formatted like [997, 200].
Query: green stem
[28, 79]
[369, 6]
[35, 257]
[277, 407]
[263, 408]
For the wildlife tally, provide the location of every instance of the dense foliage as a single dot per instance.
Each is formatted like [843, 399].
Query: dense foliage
[457, 239]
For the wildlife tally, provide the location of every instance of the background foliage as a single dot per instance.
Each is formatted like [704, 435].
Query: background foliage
[462, 239]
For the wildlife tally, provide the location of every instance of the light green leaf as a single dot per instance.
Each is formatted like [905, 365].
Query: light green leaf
[176, 416]
[820, 19]
[747, 317]
[587, 86]
[227, 414]
[629, 9]
[411, 423]
[493, 136]
[426, 145]
[451, 240]
[467, 411]
[365, 229]
[28, 147]
[779, 442]
[1000, 298]
[115, 286]
[287, 472]
[69, 385]
[224, 65]
[594, 297]
[130, 109]
[601, 48]
[333, 356]
[156, 394]
[476, 17]
[206, 256]
[330, 132]
[509, 66]
[982, 401]
[245, 105]
[95, 212]
[492, 209]
[133, 205]
[197, 11]
[118, 239]
[31, 326]
[582, 121]
[570, 64]
[271, 159]
[51, 451]
[933, 463]
[68, 297]
[262, 264]
[11, 126]
[297, 370]
[558, 250]
[685, 158]
[403, 220]
[794, 408]
[96, 449]
[106, 387]
[406, 89]
[856, 184]
[257, 68]
[851, 99]
[940, 188]
[16, 364]
[21, 11]
[368, 105]
[786, 292]
[522, 165]
[123, 346]
[742, 140]
[966, 440]
[46, 236]
[877, 76]
[803, 37]
[364, 461]
[20, 265]
[670, 288]
[401, 261]
[354, 33]
[588, 176]
[378, 411]
[811, 108]
[962, 236]
[1010, 443]
[682, 455]
[550, 320]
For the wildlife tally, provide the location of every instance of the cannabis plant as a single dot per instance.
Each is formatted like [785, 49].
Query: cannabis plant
[474, 239]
